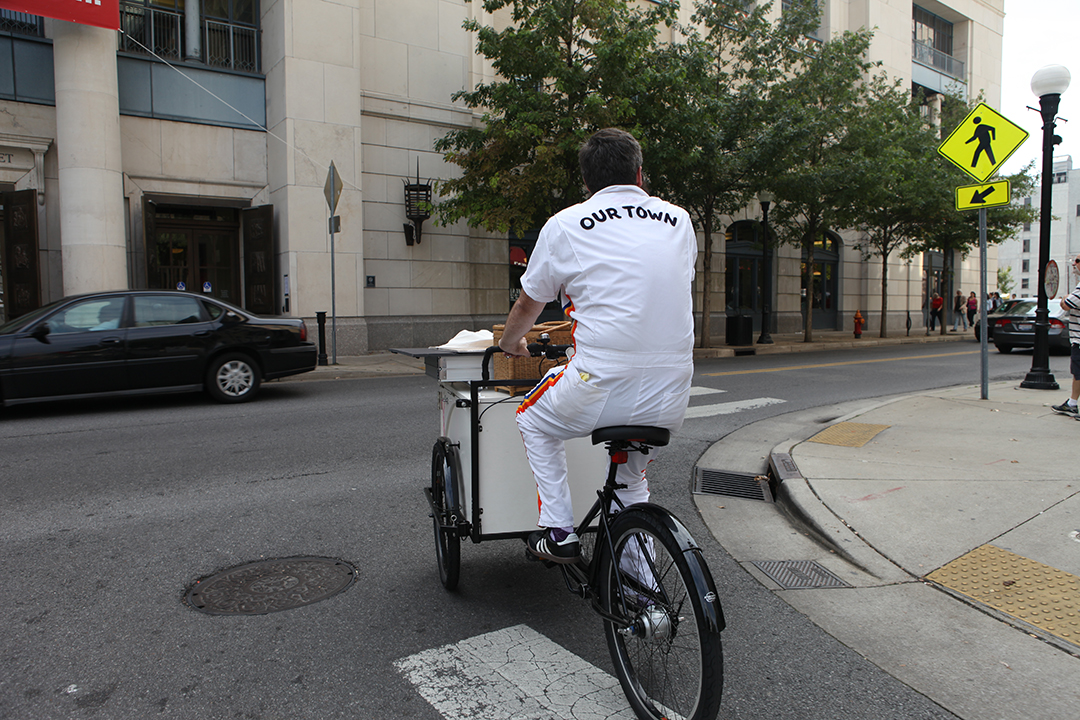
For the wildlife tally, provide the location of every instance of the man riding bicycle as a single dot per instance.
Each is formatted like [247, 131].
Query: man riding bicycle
[622, 265]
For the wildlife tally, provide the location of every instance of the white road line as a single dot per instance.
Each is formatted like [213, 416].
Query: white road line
[696, 390]
[513, 674]
[701, 411]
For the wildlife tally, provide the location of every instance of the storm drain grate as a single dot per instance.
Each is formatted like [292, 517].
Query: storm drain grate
[799, 574]
[270, 586]
[732, 484]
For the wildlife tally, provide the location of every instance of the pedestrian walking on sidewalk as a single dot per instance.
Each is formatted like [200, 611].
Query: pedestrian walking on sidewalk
[936, 304]
[959, 305]
[1071, 304]
[972, 308]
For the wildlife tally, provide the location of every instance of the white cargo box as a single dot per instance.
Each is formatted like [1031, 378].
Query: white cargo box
[507, 491]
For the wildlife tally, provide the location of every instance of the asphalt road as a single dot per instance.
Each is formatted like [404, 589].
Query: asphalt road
[109, 511]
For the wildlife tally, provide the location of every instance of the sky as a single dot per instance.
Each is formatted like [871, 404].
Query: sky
[1039, 33]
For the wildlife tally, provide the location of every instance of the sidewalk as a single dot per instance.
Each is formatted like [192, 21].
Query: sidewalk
[952, 525]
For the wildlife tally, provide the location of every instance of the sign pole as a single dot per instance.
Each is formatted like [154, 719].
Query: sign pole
[333, 296]
[983, 345]
[332, 191]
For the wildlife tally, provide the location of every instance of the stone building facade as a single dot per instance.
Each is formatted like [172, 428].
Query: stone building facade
[192, 150]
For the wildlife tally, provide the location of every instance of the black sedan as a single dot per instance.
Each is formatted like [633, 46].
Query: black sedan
[1006, 306]
[1016, 328]
[146, 341]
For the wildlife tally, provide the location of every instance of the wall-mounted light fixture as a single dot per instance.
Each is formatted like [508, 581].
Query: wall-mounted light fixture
[417, 202]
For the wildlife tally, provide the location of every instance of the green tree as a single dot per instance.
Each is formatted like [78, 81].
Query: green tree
[566, 68]
[703, 117]
[1004, 279]
[815, 183]
[896, 150]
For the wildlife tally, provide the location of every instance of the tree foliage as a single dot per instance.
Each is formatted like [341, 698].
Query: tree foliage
[897, 147]
[702, 113]
[566, 68]
[815, 177]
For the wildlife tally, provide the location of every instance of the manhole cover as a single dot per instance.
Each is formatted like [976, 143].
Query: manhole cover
[270, 585]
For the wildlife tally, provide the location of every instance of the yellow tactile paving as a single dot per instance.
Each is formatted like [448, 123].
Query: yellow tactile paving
[848, 434]
[1038, 594]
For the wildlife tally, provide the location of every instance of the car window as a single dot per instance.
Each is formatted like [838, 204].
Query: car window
[213, 310]
[153, 310]
[89, 315]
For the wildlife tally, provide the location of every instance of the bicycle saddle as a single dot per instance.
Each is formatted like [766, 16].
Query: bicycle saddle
[654, 436]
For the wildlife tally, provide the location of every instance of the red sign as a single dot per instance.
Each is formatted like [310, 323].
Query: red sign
[102, 13]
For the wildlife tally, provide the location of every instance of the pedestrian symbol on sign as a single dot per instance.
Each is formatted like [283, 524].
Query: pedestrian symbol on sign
[985, 135]
[982, 142]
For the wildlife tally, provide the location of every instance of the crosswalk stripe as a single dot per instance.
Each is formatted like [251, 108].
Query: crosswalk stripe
[698, 390]
[513, 674]
[700, 411]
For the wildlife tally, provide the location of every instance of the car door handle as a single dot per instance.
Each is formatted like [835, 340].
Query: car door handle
[110, 341]
[202, 333]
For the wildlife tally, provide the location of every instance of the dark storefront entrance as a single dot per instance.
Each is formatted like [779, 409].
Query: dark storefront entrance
[195, 249]
[20, 287]
[225, 252]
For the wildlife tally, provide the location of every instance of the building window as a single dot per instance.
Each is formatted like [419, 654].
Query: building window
[932, 42]
[20, 23]
[1023, 283]
[228, 28]
[1027, 241]
[1027, 228]
[1025, 266]
[230, 35]
[819, 33]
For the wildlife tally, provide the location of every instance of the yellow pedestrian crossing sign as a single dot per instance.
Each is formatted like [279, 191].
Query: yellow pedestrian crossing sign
[972, 197]
[982, 142]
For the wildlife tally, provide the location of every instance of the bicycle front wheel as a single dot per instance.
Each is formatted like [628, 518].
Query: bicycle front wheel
[666, 647]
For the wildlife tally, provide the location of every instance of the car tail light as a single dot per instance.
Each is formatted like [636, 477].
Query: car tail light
[1055, 323]
[999, 323]
[303, 331]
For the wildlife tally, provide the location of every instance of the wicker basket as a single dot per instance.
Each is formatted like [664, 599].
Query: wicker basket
[529, 368]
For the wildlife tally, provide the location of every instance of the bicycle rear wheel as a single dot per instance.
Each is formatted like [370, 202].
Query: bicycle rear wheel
[667, 649]
[445, 496]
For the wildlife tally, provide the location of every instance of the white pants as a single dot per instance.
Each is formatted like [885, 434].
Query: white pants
[589, 393]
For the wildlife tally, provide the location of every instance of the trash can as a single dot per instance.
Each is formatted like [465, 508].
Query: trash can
[740, 330]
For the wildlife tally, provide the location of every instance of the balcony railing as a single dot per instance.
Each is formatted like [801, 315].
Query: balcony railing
[230, 46]
[934, 58]
[21, 23]
[160, 32]
[148, 30]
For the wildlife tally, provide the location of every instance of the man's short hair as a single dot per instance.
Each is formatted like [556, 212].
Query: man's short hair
[610, 157]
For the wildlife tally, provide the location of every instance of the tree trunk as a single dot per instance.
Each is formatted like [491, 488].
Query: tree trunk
[808, 281]
[706, 280]
[884, 293]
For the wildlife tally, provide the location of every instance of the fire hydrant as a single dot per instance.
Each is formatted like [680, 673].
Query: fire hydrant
[859, 322]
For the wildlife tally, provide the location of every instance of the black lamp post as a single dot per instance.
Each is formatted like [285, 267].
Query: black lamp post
[1047, 84]
[766, 199]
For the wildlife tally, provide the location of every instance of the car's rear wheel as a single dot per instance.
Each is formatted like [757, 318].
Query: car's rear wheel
[232, 378]
[1006, 349]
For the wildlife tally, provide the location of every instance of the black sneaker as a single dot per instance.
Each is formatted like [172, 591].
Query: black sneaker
[1066, 409]
[543, 546]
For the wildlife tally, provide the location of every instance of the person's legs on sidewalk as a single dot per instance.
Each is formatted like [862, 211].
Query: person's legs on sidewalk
[1069, 407]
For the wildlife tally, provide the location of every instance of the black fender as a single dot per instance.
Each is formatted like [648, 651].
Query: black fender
[704, 586]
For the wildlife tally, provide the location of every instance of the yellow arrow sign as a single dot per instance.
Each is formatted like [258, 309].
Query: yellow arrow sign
[995, 194]
[982, 142]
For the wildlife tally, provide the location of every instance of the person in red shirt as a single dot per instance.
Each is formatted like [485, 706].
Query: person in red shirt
[936, 303]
